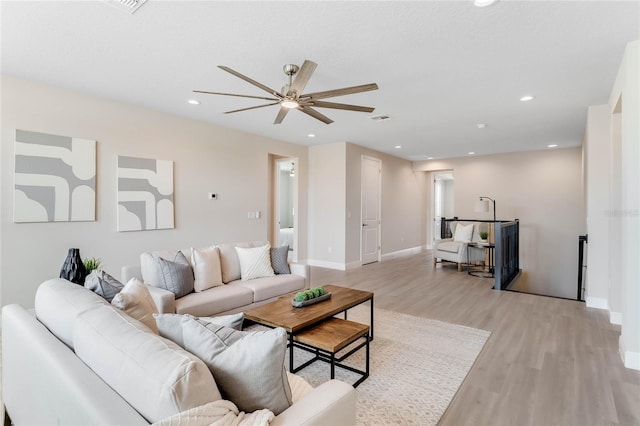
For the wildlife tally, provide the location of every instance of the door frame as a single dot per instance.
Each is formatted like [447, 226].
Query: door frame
[379, 161]
[276, 202]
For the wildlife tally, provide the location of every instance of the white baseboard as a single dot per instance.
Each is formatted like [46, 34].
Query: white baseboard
[615, 318]
[329, 265]
[405, 252]
[597, 302]
[353, 265]
[629, 359]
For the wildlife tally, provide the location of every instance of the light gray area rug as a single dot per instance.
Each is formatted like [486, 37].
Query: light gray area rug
[417, 366]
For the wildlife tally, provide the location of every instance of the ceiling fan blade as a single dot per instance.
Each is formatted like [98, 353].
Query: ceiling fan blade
[315, 114]
[251, 81]
[322, 104]
[281, 115]
[253, 107]
[340, 92]
[234, 94]
[303, 76]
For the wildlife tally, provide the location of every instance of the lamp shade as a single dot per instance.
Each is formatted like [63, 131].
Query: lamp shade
[481, 206]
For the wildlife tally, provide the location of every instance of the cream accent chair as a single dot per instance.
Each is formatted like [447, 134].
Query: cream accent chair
[450, 250]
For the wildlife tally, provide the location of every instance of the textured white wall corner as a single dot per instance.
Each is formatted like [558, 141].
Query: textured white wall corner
[615, 318]
[597, 303]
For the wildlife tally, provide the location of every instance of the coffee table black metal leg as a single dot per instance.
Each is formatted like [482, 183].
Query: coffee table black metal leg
[371, 324]
[333, 365]
[291, 352]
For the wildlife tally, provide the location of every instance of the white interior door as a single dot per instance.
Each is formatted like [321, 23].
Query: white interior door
[371, 188]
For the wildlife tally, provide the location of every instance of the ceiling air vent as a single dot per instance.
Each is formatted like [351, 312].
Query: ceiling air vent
[381, 117]
[129, 6]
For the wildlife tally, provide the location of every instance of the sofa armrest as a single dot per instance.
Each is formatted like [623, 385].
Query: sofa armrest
[331, 403]
[302, 270]
[165, 300]
[130, 271]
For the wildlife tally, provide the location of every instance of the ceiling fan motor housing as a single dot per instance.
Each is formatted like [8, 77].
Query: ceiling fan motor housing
[290, 69]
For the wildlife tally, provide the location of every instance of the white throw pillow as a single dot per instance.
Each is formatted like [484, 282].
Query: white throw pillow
[170, 325]
[206, 268]
[463, 232]
[255, 262]
[137, 302]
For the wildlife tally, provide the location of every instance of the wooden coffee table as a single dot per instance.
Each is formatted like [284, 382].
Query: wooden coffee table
[308, 323]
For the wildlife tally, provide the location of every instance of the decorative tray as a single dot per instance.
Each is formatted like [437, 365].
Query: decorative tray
[310, 301]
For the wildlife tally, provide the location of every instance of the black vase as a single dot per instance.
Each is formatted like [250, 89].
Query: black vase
[73, 268]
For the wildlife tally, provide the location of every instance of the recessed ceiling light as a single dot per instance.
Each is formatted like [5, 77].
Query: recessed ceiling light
[193, 102]
[311, 135]
[429, 158]
[483, 3]
[527, 98]
[481, 125]
[471, 153]
[553, 145]
[398, 146]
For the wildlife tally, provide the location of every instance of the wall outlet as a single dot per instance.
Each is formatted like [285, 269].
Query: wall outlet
[213, 196]
[329, 249]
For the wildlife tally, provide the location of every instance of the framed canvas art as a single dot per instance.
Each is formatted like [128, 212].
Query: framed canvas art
[145, 194]
[54, 178]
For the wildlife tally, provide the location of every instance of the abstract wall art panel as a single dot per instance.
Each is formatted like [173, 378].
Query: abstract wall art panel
[55, 178]
[145, 194]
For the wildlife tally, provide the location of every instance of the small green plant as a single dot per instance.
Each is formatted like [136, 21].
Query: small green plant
[484, 235]
[91, 264]
[309, 294]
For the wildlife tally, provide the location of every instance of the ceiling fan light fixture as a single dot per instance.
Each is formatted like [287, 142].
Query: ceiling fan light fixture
[290, 103]
[483, 3]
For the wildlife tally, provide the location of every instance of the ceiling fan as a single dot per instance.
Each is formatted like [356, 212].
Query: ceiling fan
[292, 97]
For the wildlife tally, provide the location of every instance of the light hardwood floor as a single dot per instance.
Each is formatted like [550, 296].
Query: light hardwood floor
[548, 361]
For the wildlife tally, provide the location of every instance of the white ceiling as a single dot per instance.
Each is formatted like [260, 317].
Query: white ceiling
[442, 67]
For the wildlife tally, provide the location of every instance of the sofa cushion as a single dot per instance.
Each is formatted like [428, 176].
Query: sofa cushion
[214, 300]
[149, 266]
[279, 260]
[268, 287]
[449, 246]
[170, 325]
[136, 301]
[176, 275]
[206, 268]
[103, 284]
[248, 367]
[57, 304]
[229, 259]
[154, 375]
[255, 262]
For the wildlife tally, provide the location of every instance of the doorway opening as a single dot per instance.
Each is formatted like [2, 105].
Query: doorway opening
[442, 199]
[285, 206]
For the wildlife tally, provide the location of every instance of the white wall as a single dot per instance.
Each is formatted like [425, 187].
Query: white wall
[327, 171]
[207, 159]
[597, 169]
[627, 88]
[544, 190]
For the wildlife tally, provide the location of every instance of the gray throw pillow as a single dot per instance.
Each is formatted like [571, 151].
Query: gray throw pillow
[176, 276]
[103, 284]
[279, 260]
[170, 325]
[247, 367]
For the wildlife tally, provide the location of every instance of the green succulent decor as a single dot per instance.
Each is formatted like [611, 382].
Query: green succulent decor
[91, 264]
[484, 235]
[309, 294]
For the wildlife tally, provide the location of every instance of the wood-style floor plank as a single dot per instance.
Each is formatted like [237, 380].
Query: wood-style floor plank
[548, 361]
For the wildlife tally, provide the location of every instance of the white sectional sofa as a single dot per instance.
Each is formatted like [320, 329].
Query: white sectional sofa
[235, 295]
[78, 360]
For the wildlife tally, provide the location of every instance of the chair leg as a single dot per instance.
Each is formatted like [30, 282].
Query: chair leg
[459, 267]
[435, 261]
